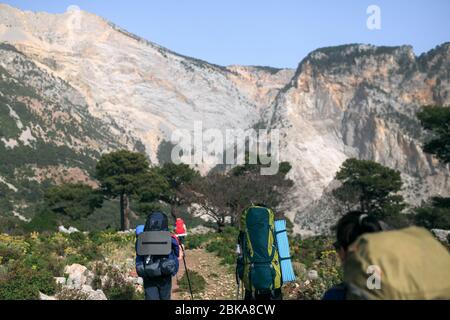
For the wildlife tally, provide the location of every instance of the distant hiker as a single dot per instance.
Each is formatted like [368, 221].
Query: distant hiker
[405, 264]
[158, 269]
[349, 228]
[180, 230]
[258, 262]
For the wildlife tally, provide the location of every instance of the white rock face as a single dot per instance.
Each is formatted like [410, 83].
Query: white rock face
[359, 101]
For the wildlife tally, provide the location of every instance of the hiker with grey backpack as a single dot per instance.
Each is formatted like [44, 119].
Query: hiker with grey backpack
[157, 253]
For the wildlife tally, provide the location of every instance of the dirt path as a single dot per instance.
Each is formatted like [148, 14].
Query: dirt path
[220, 280]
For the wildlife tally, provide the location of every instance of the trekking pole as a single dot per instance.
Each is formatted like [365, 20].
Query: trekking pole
[237, 287]
[187, 272]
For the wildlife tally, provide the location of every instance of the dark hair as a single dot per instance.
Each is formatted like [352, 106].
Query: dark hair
[156, 221]
[352, 225]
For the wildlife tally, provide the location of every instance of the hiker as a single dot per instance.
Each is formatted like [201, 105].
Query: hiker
[180, 230]
[405, 264]
[258, 262]
[157, 271]
[349, 228]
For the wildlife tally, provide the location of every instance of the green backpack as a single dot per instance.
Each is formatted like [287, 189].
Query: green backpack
[258, 266]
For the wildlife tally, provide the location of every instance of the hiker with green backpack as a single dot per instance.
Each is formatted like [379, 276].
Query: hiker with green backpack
[381, 264]
[259, 263]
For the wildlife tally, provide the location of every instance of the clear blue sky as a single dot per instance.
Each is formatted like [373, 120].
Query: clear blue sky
[276, 33]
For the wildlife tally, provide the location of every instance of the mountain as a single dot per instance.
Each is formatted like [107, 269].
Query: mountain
[144, 87]
[347, 101]
[359, 101]
[46, 133]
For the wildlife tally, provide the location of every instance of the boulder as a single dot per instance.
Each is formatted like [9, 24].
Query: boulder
[93, 294]
[136, 280]
[84, 292]
[45, 297]
[313, 275]
[60, 280]
[441, 234]
[78, 275]
[126, 231]
[201, 230]
[63, 229]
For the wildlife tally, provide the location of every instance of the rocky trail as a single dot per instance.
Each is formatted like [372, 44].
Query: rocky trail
[220, 279]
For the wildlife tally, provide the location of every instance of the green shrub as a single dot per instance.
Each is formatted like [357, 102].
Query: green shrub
[77, 237]
[75, 258]
[10, 225]
[433, 217]
[43, 221]
[196, 241]
[224, 245]
[90, 252]
[315, 253]
[23, 283]
[72, 294]
[45, 262]
[117, 288]
[198, 283]
[99, 269]
[8, 253]
[309, 250]
[399, 221]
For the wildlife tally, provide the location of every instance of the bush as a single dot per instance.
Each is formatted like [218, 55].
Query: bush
[43, 221]
[315, 253]
[399, 221]
[309, 250]
[10, 225]
[433, 217]
[224, 245]
[23, 283]
[8, 253]
[117, 288]
[72, 294]
[198, 283]
[90, 252]
[196, 241]
[45, 262]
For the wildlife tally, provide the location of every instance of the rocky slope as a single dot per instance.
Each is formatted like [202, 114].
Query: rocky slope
[145, 88]
[46, 133]
[359, 101]
[348, 101]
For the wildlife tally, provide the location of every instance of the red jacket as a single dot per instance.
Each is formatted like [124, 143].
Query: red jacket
[180, 227]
